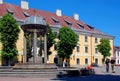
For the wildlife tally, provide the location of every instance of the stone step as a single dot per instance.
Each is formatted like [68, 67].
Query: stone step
[28, 75]
[16, 73]
[5, 67]
[38, 70]
[28, 72]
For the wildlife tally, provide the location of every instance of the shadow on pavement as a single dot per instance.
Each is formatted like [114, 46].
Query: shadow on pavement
[90, 78]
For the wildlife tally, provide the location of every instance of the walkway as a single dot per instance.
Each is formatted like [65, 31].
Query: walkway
[101, 75]
[102, 71]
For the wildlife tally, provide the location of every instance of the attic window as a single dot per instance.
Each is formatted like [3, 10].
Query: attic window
[26, 14]
[69, 23]
[92, 28]
[10, 11]
[81, 26]
[56, 21]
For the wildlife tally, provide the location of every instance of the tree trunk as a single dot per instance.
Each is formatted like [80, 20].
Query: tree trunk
[68, 62]
[9, 62]
[63, 63]
[104, 59]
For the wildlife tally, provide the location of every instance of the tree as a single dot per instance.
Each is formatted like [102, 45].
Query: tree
[50, 39]
[104, 48]
[9, 31]
[67, 42]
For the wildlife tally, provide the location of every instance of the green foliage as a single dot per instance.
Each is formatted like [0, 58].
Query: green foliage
[104, 47]
[9, 53]
[50, 39]
[9, 32]
[67, 42]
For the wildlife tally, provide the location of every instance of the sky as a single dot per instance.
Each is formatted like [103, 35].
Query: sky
[104, 15]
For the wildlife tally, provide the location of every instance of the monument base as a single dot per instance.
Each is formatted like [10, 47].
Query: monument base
[35, 66]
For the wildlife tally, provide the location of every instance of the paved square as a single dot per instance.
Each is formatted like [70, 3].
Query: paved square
[101, 75]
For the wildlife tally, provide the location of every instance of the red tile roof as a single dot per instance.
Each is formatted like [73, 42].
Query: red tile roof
[19, 14]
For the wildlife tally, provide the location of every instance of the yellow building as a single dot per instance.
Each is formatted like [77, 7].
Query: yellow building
[84, 53]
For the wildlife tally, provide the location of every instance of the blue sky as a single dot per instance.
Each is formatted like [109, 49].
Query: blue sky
[104, 15]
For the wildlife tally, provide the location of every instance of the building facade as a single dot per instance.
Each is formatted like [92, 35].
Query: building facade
[117, 54]
[84, 53]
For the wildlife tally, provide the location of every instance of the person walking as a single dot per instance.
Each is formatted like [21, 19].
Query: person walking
[113, 65]
[107, 64]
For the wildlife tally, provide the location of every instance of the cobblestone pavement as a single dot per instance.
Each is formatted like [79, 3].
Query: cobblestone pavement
[102, 70]
[101, 75]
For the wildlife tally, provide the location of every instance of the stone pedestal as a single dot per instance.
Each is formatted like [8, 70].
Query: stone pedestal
[35, 66]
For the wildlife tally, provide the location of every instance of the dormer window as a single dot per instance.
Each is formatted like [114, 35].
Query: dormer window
[26, 14]
[92, 28]
[56, 21]
[10, 11]
[81, 26]
[69, 23]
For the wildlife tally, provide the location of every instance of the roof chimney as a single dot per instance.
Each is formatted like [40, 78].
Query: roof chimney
[58, 12]
[1, 1]
[76, 16]
[24, 4]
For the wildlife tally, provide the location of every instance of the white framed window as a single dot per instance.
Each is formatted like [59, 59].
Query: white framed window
[78, 48]
[96, 50]
[86, 38]
[118, 53]
[96, 40]
[86, 49]
[77, 61]
[86, 60]
[96, 60]
[118, 61]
